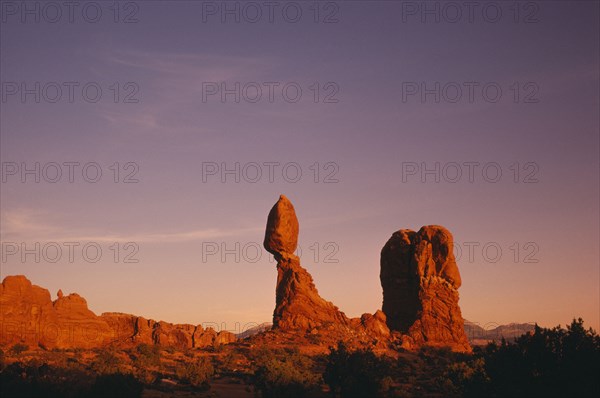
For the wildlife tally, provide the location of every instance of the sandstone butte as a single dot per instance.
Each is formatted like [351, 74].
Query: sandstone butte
[28, 315]
[419, 277]
[420, 281]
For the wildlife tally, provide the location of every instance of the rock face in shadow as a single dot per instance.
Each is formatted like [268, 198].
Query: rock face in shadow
[29, 316]
[420, 281]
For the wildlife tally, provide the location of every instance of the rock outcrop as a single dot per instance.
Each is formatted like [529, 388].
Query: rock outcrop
[298, 304]
[138, 330]
[420, 281]
[419, 276]
[29, 316]
[299, 308]
[373, 325]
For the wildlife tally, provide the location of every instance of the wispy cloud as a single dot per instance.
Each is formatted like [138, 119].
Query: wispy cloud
[170, 85]
[30, 225]
[192, 67]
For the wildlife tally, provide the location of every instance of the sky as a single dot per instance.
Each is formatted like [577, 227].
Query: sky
[143, 144]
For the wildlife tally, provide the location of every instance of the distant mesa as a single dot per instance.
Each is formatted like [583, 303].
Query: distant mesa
[263, 327]
[479, 335]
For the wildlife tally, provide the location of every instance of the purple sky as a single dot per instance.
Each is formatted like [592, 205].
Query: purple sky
[546, 224]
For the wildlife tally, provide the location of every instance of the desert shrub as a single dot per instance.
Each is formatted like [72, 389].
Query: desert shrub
[440, 357]
[196, 373]
[553, 362]
[229, 362]
[26, 380]
[146, 358]
[19, 348]
[145, 376]
[405, 366]
[147, 355]
[188, 353]
[314, 339]
[116, 385]
[466, 378]
[106, 362]
[284, 374]
[357, 373]
[77, 353]
[548, 362]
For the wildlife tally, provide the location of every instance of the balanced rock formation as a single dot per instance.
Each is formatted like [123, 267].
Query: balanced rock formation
[298, 304]
[29, 316]
[301, 315]
[420, 281]
[281, 235]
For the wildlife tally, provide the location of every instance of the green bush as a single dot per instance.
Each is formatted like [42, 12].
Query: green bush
[553, 362]
[146, 358]
[356, 373]
[31, 380]
[468, 379]
[284, 374]
[19, 348]
[229, 362]
[106, 362]
[196, 373]
[147, 355]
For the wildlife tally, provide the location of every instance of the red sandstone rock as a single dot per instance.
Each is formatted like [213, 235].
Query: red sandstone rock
[28, 315]
[140, 330]
[299, 308]
[376, 325]
[298, 304]
[281, 235]
[224, 337]
[420, 281]
[419, 277]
